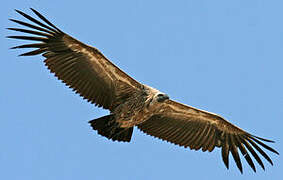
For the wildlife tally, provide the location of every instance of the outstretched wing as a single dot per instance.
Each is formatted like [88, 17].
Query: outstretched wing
[190, 127]
[78, 65]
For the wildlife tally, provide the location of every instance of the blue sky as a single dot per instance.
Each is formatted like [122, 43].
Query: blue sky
[220, 56]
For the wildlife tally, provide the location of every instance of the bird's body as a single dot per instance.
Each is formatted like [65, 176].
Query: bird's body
[89, 73]
[133, 111]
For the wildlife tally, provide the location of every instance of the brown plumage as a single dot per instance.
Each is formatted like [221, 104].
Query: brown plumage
[89, 73]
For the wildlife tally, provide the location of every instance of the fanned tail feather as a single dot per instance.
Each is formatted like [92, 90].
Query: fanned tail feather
[106, 126]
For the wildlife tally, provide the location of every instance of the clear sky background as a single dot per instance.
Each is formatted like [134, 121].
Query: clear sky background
[221, 56]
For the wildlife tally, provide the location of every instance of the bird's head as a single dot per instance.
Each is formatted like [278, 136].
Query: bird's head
[161, 97]
[154, 96]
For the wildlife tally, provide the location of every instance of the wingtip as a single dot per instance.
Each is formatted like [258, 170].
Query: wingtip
[227, 165]
[18, 11]
[276, 152]
[241, 169]
[15, 47]
[13, 20]
[11, 37]
[32, 9]
[20, 55]
[263, 139]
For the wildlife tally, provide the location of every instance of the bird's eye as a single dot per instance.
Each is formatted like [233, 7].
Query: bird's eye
[160, 95]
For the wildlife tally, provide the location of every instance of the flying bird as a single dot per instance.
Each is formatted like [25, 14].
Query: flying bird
[90, 74]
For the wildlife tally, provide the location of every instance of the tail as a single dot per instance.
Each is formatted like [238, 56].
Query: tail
[106, 126]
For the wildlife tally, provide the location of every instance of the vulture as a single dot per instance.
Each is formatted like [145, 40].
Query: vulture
[94, 77]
